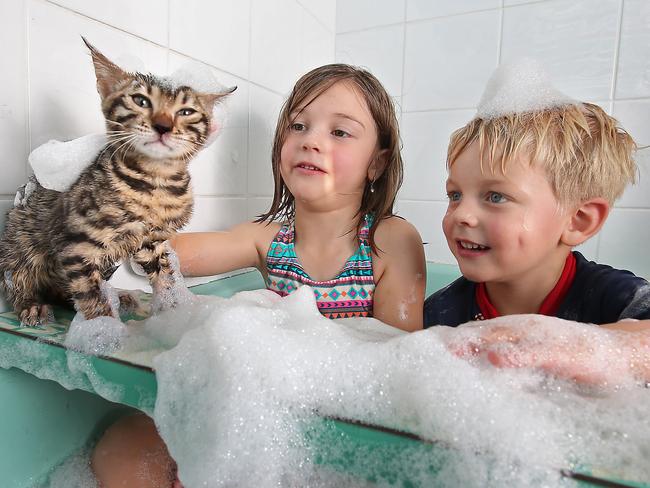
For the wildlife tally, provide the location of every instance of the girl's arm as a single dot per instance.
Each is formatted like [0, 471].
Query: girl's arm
[209, 253]
[400, 275]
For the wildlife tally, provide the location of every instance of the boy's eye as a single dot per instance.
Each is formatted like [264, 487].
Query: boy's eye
[141, 101]
[340, 133]
[186, 111]
[495, 197]
[453, 196]
[297, 126]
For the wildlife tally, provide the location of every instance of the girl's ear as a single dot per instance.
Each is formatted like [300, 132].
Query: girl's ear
[378, 165]
[586, 221]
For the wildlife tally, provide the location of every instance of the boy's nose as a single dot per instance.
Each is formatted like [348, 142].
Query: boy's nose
[465, 214]
[311, 144]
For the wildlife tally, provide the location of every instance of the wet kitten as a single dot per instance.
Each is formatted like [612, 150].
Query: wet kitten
[59, 246]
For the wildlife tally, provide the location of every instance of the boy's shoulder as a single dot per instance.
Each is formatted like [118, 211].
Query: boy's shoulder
[452, 305]
[603, 294]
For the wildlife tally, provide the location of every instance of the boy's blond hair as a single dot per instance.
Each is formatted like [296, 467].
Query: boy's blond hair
[584, 151]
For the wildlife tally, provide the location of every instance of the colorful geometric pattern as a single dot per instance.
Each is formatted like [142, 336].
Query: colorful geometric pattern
[347, 295]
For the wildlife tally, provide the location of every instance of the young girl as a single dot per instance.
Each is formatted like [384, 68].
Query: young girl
[337, 169]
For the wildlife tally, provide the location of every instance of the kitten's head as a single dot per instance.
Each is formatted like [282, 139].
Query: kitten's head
[153, 116]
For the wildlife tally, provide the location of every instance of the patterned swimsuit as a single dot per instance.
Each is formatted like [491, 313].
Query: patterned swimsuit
[347, 295]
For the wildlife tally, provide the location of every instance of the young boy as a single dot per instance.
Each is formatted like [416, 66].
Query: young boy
[524, 189]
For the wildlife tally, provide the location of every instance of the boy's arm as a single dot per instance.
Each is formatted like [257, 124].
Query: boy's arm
[608, 354]
[637, 336]
[400, 275]
[209, 253]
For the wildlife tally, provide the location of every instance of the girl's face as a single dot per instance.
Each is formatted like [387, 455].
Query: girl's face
[329, 152]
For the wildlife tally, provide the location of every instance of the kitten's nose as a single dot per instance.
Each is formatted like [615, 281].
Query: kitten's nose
[162, 123]
[162, 128]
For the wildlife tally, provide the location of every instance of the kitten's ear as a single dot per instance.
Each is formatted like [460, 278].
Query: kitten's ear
[108, 73]
[209, 99]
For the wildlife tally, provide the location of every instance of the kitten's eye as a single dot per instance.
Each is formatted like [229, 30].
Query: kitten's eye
[495, 197]
[297, 126]
[141, 101]
[454, 196]
[186, 111]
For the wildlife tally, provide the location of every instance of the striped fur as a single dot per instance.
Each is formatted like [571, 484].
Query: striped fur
[58, 246]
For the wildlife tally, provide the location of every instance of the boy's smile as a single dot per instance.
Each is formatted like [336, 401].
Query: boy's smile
[504, 228]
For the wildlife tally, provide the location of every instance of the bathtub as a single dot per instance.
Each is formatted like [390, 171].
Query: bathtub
[51, 410]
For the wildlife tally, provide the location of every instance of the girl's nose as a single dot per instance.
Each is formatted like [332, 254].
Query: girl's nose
[312, 141]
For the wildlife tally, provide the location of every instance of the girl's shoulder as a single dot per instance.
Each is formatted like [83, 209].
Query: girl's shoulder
[395, 232]
[261, 232]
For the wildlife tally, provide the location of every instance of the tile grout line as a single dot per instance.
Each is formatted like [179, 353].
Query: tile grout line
[617, 51]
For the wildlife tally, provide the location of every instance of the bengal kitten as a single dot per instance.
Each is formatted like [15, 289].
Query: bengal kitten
[59, 246]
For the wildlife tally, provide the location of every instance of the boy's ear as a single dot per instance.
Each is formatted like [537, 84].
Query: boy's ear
[378, 165]
[586, 220]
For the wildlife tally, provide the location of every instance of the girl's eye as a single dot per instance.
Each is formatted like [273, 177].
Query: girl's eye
[297, 126]
[186, 111]
[141, 101]
[495, 197]
[453, 196]
[340, 133]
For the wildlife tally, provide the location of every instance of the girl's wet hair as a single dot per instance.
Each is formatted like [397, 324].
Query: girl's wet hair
[584, 152]
[386, 185]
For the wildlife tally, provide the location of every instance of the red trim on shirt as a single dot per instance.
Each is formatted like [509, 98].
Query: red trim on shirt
[551, 303]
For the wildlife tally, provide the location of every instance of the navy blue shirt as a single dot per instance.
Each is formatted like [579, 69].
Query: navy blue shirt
[599, 294]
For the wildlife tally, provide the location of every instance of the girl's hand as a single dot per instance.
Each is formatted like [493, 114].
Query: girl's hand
[588, 354]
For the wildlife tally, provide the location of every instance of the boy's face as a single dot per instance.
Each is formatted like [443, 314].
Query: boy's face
[503, 227]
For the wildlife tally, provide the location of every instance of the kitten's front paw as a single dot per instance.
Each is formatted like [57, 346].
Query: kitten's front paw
[128, 302]
[36, 315]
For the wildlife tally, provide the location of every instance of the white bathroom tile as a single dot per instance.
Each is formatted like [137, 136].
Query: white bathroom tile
[216, 214]
[575, 40]
[216, 33]
[317, 46]
[633, 78]
[276, 54]
[323, 10]
[426, 138]
[353, 15]
[265, 107]
[427, 218]
[634, 116]
[258, 206]
[426, 9]
[64, 103]
[14, 142]
[448, 61]
[624, 241]
[511, 3]
[361, 49]
[145, 18]
[220, 169]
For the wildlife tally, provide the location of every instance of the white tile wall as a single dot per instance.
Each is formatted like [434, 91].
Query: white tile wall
[594, 50]
[14, 142]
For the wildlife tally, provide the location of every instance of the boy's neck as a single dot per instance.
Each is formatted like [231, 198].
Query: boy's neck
[526, 294]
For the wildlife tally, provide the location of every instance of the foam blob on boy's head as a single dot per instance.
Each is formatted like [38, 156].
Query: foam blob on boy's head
[518, 87]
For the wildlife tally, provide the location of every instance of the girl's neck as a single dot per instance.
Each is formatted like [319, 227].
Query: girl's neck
[320, 228]
[527, 293]
[324, 241]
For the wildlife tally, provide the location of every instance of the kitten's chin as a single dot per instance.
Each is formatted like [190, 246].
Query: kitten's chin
[158, 150]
